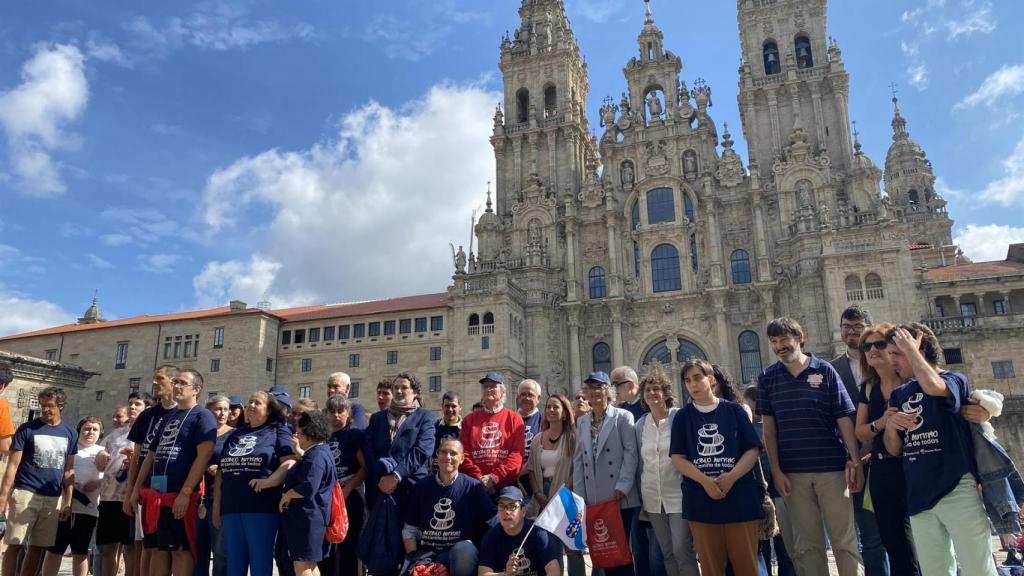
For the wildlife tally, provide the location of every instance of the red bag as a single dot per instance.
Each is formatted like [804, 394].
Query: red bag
[606, 537]
[337, 529]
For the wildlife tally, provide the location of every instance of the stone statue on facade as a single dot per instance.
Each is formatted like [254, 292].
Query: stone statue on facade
[460, 261]
[627, 173]
[654, 106]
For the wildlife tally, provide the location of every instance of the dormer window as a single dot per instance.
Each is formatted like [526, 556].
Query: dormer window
[804, 58]
[772, 64]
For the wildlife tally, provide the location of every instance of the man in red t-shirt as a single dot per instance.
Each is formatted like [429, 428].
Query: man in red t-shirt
[493, 438]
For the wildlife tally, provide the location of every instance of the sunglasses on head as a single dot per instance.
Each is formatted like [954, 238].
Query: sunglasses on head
[878, 345]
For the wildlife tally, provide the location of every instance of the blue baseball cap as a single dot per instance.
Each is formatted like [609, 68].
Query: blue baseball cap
[493, 377]
[511, 493]
[281, 393]
[235, 401]
[598, 377]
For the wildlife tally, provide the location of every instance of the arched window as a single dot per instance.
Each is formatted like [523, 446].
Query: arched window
[772, 65]
[665, 275]
[740, 262]
[660, 353]
[488, 318]
[914, 197]
[804, 59]
[661, 207]
[634, 219]
[694, 259]
[688, 207]
[602, 355]
[873, 286]
[597, 284]
[550, 100]
[750, 356]
[522, 105]
[854, 288]
[474, 319]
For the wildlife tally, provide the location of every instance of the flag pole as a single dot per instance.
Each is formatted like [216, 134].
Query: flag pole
[520, 548]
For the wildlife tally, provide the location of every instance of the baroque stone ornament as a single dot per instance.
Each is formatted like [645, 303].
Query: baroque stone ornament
[730, 168]
[657, 158]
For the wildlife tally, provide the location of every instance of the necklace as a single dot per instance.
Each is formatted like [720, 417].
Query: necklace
[555, 439]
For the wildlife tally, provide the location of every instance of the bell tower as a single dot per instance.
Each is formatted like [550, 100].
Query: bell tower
[791, 79]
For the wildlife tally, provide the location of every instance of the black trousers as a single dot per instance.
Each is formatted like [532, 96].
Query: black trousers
[889, 499]
[342, 561]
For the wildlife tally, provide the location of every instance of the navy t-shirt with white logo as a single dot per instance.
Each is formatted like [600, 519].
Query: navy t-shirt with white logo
[145, 427]
[344, 445]
[538, 550]
[714, 443]
[176, 443]
[937, 451]
[448, 514]
[806, 408]
[45, 450]
[251, 454]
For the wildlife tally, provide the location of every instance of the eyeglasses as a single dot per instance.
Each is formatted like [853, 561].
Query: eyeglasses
[877, 345]
[621, 382]
[594, 385]
[180, 383]
[853, 327]
[513, 507]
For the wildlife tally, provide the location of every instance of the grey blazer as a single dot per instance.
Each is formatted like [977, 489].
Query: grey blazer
[615, 465]
[842, 365]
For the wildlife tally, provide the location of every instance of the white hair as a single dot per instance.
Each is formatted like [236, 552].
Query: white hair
[533, 384]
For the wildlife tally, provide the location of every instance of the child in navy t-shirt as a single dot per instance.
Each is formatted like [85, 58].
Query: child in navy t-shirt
[306, 503]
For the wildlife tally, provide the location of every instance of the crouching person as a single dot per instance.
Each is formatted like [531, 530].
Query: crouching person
[306, 502]
[504, 550]
[447, 514]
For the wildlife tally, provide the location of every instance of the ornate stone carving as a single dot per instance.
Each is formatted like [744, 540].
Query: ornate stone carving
[730, 168]
[626, 173]
[657, 162]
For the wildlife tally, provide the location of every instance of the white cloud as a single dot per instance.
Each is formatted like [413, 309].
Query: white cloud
[598, 11]
[1007, 81]
[158, 263]
[53, 93]
[978, 19]
[366, 215]
[115, 239]
[983, 243]
[98, 48]
[1008, 190]
[24, 314]
[422, 28]
[99, 262]
[918, 75]
[221, 26]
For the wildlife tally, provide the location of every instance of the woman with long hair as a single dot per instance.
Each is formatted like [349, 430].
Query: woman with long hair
[252, 467]
[658, 479]
[715, 447]
[208, 537]
[550, 464]
[886, 482]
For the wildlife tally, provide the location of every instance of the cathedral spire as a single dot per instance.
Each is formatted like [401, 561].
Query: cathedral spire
[92, 314]
[899, 124]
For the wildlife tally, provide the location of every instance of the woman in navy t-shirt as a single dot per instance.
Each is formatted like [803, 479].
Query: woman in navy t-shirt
[251, 469]
[715, 447]
[346, 444]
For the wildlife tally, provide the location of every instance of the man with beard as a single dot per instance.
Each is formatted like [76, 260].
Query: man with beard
[493, 437]
[815, 464]
[448, 514]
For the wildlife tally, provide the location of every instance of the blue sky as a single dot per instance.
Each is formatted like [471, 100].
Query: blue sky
[174, 155]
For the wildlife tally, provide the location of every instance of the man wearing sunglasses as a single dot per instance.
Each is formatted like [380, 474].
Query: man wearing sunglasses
[852, 323]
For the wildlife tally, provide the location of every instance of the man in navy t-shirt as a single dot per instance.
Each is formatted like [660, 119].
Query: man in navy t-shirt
[528, 399]
[448, 513]
[946, 510]
[503, 550]
[813, 452]
[38, 482]
[178, 455]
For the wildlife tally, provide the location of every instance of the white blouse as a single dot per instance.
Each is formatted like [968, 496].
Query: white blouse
[660, 483]
[548, 462]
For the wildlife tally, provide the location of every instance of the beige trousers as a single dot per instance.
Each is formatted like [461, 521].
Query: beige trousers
[819, 501]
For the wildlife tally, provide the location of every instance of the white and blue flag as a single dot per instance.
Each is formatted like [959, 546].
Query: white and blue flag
[565, 517]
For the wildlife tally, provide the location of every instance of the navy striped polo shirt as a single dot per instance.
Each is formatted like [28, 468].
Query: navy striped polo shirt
[805, 409]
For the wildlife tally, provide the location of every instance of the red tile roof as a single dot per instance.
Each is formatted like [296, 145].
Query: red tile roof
[976, 270]
[405, 303]
[297, 314]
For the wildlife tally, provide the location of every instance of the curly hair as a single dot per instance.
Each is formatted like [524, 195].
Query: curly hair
[657, 376]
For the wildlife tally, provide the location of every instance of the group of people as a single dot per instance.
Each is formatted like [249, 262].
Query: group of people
[723, 482]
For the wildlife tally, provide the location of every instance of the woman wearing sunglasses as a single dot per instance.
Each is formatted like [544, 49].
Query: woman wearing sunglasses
[886, 483]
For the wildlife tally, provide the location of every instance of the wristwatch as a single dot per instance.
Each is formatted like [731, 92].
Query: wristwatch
[874, 430]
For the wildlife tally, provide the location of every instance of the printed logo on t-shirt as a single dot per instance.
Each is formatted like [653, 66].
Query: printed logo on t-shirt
[444, 516]
[335, 451]
[529, 437]
[50, 452]
[913, 406]
[245, 446]
[815, 380]
[490, 436]
[524, 562]
[600, 531]
[710, 442]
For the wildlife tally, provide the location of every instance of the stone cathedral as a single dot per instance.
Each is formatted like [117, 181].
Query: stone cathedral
[654, 241]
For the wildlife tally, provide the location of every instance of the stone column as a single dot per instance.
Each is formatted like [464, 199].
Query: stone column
[553, 176]
[722, 328]
[614, 274]
[773, 113]
[819, 119]
[764, 269]
[615, 311]
[517, 160]
[841, 87]
[1006, 299]
[575, 373]
[956, 305]
[981, 304]
[714, 238]
[570, 252]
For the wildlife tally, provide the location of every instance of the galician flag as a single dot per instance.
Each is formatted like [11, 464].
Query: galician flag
[565, 517]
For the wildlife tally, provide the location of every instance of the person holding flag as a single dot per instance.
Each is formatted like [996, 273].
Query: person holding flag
[513, 546]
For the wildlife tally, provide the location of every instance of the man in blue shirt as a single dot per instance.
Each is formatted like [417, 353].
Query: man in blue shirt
[448, 513]
[504, 550]
[37, 483]
[808, 434]
[946, 510]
